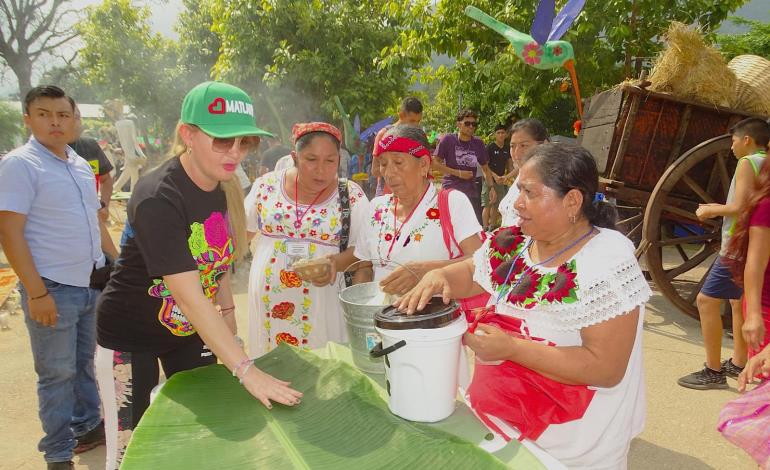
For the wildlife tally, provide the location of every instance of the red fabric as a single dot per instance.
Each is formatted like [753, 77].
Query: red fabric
[522, 397]
[303, 128]
[761, 218]
[392, 143]
[468, 304]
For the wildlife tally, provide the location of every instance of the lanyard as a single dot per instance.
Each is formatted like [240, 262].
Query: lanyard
[397, 231]
[530, 268]
[298, 222]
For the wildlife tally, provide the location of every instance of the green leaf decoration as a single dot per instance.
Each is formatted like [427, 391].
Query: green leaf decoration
[204, 419]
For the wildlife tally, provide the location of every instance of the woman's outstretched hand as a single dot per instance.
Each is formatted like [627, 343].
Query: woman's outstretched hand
[759, 364]
[434, 282]
[267, 388]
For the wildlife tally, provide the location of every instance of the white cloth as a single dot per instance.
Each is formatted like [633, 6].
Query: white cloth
[127, 136]
[421, 237]
[284, 163]
[609, 283]
[132, 154]
[281, 307]
[507, 211]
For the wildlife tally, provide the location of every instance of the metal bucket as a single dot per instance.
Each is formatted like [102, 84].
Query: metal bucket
[359, 319]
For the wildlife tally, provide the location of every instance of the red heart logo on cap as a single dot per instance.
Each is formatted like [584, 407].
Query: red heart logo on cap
[217, 106]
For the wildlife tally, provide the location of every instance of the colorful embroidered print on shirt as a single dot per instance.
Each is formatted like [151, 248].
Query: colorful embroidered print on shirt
[212, 247]
[528, 286]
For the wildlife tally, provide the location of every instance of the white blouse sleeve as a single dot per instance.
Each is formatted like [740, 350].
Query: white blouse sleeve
[250, 205]
[611, 282]
[481, 270]
[464, 220]
[359, 211]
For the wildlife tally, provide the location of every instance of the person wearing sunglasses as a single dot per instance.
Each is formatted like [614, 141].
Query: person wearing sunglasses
[169, 299]
[459, 157]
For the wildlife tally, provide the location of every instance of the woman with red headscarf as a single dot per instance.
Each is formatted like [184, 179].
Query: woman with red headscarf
[402, 234]
[298, 215]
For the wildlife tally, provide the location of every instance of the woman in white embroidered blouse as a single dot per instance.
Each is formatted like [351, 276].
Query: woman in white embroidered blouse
[559, 351]
[403, 232]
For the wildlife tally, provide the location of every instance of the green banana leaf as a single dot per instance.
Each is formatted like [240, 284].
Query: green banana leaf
[204, 419]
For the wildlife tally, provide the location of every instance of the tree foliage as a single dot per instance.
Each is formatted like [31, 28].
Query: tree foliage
[122, 54]
[10, 126]
[754, 41]
[31, 29]
[295, 56]
[607, 37]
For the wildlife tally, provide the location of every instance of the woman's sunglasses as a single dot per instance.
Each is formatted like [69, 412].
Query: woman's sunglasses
[224, 144]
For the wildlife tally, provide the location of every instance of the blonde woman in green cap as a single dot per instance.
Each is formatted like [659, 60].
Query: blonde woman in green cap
[169, 299]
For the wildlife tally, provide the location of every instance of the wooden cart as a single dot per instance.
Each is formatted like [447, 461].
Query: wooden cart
[660, 157]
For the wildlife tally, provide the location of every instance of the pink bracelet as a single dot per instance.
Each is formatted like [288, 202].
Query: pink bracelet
[240, 364]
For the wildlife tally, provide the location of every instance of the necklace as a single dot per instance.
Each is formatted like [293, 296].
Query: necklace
[396, 228]
[298, 222]
[530, 268]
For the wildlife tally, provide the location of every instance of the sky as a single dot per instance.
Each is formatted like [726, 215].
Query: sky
[165, 12]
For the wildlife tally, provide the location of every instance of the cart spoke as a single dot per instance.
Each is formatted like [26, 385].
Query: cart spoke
[693, 262]
[697, 189]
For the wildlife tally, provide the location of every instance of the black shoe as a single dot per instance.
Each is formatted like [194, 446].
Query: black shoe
[705, 379]
[730, 369]
[91, 439]
[69, 465]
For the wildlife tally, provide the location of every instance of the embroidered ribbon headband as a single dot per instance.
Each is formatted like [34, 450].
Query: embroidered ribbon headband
[303, 128]
[392, 143]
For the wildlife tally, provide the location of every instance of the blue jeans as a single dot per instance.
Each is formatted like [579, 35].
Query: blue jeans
[64, 362]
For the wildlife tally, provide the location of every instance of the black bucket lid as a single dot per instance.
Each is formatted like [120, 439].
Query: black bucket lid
[435, 315]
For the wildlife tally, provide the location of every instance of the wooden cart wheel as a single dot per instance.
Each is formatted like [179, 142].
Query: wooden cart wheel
[679, 247]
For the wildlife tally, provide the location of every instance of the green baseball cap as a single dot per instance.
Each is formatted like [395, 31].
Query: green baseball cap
[221, 110]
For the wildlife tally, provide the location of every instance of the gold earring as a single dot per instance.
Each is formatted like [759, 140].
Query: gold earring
[573, 219]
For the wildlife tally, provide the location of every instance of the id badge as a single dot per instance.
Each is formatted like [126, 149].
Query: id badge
[296, 251]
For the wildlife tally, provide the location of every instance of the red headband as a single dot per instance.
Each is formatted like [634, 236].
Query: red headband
[392, 143]
[307, 127]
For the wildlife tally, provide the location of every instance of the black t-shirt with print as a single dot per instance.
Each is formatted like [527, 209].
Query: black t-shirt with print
[498, 158]
[90, 150]
[177, 227]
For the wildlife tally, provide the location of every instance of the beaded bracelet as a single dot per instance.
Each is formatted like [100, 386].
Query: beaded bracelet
[240, 379]
[240, 364]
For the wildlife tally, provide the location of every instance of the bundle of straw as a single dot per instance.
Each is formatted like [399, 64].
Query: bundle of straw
[691, 69]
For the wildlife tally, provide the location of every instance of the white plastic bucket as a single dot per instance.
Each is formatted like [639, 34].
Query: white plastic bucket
[421, 367]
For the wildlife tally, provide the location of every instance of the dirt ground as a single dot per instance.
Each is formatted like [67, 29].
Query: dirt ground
[681, 423]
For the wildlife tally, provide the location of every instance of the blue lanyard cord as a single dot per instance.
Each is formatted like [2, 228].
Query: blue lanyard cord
[503, 291]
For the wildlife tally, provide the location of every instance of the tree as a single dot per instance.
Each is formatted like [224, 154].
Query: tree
[610, 38]
[198, 44]
[124, 56]
[296, 56]
[10, 126]
[73, 79]
[30, 29]
[755, 41]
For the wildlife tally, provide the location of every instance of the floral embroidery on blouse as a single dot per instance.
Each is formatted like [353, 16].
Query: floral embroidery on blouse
[526, 286]
[382, 219]
[278, 219]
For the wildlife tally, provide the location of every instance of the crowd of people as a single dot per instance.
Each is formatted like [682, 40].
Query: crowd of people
[517, 228]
